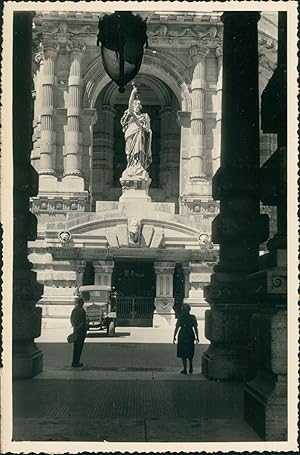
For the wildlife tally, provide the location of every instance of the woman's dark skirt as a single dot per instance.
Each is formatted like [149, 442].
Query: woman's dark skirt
[186, 343]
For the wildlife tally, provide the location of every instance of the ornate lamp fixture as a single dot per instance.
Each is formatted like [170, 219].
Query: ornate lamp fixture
[123, 36]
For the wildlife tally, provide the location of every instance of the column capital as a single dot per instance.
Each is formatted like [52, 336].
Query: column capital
[198, 51]
[219, 52]
[184, 118]
[76, 46]
[164, 267]
[50, 48]
[103, 266]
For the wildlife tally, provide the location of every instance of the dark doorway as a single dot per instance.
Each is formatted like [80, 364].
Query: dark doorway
[88, 274]
[135, 285]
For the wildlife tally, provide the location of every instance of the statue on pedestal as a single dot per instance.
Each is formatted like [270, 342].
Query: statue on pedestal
[138, 136]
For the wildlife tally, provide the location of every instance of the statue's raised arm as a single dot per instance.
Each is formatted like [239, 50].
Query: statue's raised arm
[138, 137]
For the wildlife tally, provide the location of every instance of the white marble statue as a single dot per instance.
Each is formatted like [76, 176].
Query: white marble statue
[138, 137]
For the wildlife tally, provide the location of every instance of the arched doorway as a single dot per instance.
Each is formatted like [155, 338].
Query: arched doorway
[108, 158]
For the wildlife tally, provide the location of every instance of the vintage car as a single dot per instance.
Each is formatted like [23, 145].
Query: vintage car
[100, 307]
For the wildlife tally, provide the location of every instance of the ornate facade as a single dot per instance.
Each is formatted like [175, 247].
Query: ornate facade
[84, 221]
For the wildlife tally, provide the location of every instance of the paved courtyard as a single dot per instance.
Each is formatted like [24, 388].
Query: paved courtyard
[126, 391]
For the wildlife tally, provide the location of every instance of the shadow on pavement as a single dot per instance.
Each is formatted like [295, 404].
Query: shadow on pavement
[104, 335]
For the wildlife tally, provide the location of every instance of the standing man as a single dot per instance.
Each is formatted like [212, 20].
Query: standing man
[78, 321]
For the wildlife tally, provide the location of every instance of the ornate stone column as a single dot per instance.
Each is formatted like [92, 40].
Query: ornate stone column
[197, 153]
[239, 227]
[266, 395]
[217, 145]
[169, 162]
[73, 148]
[48, 135]
[164, 314]
[103, 272]
[27, 357]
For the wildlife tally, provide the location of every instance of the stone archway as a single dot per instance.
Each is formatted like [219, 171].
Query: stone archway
[160, 64]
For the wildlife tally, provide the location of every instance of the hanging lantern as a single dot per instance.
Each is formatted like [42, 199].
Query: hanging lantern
[123, 36]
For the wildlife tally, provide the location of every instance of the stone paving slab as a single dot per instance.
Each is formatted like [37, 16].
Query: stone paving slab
[57, 399]
[133, 430]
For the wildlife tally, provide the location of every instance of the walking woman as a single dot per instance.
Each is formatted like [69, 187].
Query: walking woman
[188, 333]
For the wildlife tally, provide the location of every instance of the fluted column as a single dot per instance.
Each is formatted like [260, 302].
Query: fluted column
[217, 145]
[73, 147]
[48, 134]
[169, 162]
[197, 154]
[239, 228]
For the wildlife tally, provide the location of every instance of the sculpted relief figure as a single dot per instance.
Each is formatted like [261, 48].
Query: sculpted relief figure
[138, 136]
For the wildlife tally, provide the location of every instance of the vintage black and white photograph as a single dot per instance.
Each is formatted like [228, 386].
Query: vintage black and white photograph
[149, 165]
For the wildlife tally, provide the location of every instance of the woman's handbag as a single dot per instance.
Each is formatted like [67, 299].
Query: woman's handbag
[72, 338]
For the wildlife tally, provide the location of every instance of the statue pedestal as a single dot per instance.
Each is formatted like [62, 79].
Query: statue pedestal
[135, 189]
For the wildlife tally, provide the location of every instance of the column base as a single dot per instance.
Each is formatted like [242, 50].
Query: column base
[47, 182]
[226, 362]
[265, 406]
[27, 359]
[228, 356]
[73, 183]
[134, 189]
[164, 320]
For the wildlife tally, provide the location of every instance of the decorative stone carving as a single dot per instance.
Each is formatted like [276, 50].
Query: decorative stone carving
[76, 46]
[198, 50]
[59, 204]
[133, 231]
[164, 304]
[64, 237]
[205, 240]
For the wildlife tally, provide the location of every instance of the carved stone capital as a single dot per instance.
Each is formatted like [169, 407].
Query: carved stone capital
[76, 46]
[50, 48]
[198, 51]
[184, 118]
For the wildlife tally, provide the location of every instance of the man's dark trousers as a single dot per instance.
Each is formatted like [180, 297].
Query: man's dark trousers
[77, 349]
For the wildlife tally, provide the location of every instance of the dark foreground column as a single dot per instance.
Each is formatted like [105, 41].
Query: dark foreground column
[266, 394]
[239, 227]
[27, 358]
